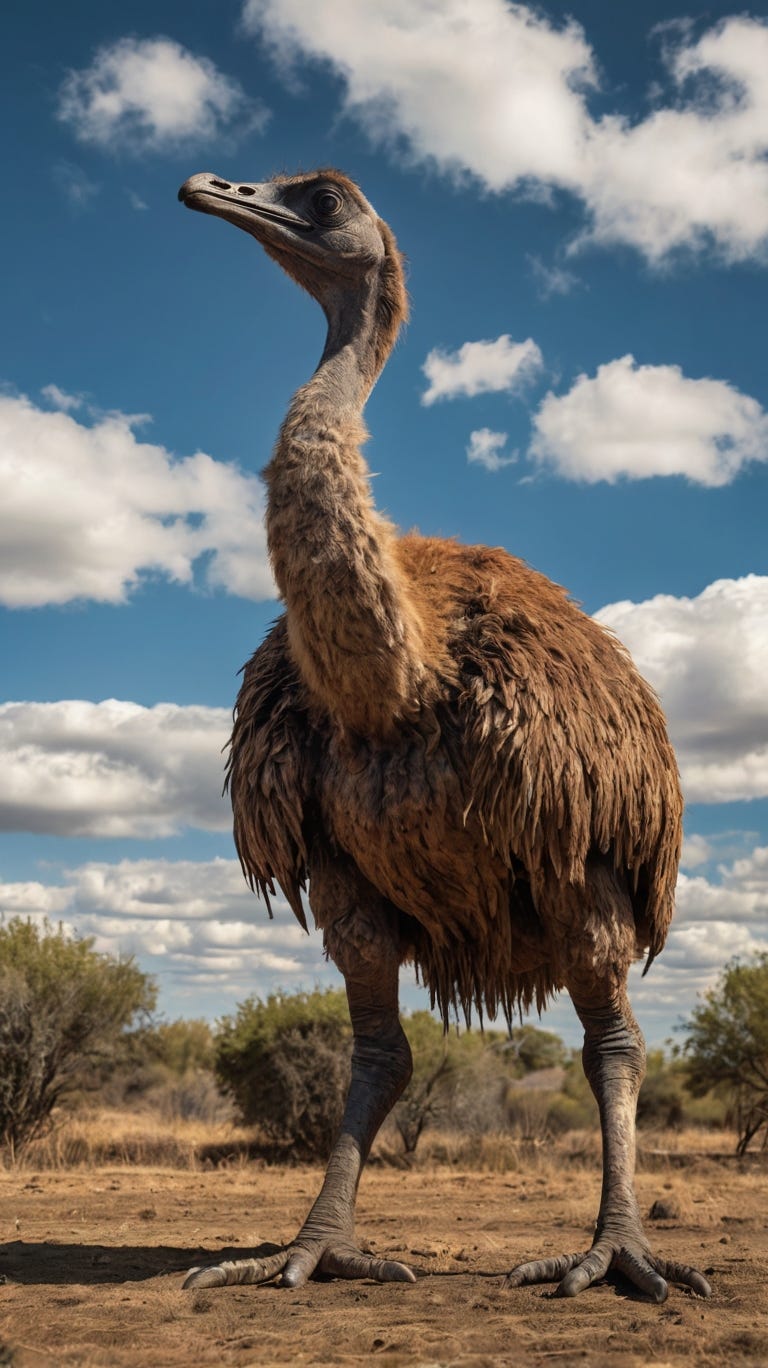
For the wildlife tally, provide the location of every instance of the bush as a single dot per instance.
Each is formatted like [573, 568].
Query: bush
[285, 1062]
[458, 1080]
[727, 1044]
[63, 1007]
[535, 1049]
[181, 1047]
[167, 1066]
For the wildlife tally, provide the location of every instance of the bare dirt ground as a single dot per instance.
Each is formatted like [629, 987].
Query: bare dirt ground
[94, 1258]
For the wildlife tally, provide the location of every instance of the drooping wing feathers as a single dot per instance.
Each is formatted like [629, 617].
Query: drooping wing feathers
[268, 774]
[568, 748]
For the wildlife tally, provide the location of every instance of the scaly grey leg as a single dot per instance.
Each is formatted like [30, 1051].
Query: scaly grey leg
[614, 1062]
[363, 945]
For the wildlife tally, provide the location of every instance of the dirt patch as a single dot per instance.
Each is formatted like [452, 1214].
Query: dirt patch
[94, 1259]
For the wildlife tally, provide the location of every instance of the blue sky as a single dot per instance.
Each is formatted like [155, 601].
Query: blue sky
[584, 209]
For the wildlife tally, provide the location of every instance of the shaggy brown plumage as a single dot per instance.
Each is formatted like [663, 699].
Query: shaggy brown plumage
[540, 747]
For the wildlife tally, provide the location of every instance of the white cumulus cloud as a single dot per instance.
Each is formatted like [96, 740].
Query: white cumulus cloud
[195, 922]
[480, 368]
[485, 448]
[150, 93]
[714, 921]
[499, 92]
[633, 422]
[198, 926]
[86, 512]
[74, 768]
[707, 658]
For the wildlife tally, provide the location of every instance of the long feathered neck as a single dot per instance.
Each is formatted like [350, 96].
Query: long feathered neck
[354, 632]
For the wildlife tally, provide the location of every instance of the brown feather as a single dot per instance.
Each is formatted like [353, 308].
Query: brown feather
[537, 753]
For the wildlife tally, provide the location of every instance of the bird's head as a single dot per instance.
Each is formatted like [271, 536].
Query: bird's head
[323, 232]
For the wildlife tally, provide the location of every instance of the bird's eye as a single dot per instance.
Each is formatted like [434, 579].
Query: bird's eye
[326, 203]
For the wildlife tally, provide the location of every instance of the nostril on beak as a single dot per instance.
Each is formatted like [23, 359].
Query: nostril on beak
[245, 190]
[221, 185]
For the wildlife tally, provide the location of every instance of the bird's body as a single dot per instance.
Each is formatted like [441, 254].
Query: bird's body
[466, 770]
[482, 809]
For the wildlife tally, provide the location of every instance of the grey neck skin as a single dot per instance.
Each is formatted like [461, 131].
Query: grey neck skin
[347, 371]
[352, 631]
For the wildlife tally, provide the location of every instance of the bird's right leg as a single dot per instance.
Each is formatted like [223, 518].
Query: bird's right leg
[362, 942]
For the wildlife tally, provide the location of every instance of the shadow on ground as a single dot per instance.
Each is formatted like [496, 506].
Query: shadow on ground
[83, 1264]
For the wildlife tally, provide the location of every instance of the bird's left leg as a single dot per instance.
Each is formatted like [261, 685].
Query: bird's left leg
[614, 1063]
[363, 943]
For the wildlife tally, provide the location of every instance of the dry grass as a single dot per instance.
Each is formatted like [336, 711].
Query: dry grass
[507, 1153]
[108, 1136]
[123, 1137]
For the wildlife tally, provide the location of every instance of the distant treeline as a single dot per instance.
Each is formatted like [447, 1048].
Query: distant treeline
[78, 1027]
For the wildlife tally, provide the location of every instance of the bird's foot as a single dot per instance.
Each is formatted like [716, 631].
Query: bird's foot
[295, 1265]
[574, 1272]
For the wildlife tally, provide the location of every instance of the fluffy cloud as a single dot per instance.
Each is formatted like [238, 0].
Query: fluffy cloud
[697, 850]
[73, 768]
[85, 512]
[551, 279]
[485, 448]
[714, 921]
[496, 91]
[197, 923]
[59, 399]
[633, 422]
[707, 658]
[200, 928]
[480, 368]
[150, 93]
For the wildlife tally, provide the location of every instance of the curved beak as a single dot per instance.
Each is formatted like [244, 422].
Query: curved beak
[255, 207]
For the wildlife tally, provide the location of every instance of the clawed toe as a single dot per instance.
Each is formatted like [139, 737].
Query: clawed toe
[347, 1262]
[297, 1264]
[237, 1271]
[685, 1276]
[575, 1272]
[543, 1270]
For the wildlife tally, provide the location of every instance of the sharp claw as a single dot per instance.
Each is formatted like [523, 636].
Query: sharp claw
[389, 1270]
[204, 1277]
[594, 1265]
[542, 1270]
[299, 1269]
[574, 1283]
[683, 1273]
[293, 1277]
[644, 1273]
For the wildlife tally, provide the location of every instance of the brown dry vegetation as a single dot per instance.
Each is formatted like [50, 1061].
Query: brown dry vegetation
[95, 1252]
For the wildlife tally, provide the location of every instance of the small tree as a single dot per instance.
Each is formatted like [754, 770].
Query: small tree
[727, 1044]
[63, 1006]
[535, 1049]
[432, 1081]
[458, 1079]
[181, 1046]
[285, 1064]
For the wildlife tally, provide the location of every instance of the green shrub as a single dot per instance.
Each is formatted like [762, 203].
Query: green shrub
[63, 1009]
[284, 1062]
[726, 1049]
